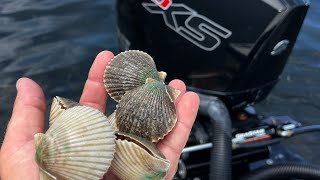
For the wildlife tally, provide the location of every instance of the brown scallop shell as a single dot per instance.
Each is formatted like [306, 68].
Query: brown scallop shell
[137, 159]
[148, 111]
[129, 70]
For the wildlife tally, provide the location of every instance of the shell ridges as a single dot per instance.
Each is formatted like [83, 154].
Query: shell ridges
[112, 120]
[148, 111]
[127, 71]
[60, 104]
[79, 145]
[139, 163]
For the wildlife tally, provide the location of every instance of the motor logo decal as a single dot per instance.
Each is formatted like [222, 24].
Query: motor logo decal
[164, 4]
[196, 28]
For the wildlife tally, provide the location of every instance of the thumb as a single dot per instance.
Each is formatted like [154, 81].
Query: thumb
[28, 114]
[17, 151]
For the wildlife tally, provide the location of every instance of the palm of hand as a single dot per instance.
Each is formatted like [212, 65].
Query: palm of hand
[18, 150]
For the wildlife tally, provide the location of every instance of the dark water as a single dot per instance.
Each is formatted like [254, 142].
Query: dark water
[52, 42]
[55, 42]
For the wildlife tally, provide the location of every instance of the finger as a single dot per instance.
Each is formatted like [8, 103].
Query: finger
[187, 110]
[28, 112]
[94, 93]
[175, 141]
[178, 84]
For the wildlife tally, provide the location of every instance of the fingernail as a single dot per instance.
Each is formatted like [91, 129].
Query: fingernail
[18, 83]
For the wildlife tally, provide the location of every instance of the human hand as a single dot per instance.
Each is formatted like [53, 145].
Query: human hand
[17, 155]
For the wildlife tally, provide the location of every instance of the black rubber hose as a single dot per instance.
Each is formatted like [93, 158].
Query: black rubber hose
[283, 172]
[220, 163]
[306, 129]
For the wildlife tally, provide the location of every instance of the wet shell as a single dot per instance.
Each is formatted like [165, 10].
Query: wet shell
[136, 159]
[45, 176]
[79, 145]
[148, 111]
[112, 121]
[127, 71]
[60, 104]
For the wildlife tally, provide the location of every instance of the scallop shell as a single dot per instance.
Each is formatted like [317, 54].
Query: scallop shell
[148, 111]
[60, 104]
[129, 70]
[79, 145]
[112, 121]
[137, 159]
[45, 176]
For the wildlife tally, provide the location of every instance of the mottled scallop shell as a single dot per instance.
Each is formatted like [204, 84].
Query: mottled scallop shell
[137, 159]
[129, 70]
[80, 144]
[60, 104]
[148, 111]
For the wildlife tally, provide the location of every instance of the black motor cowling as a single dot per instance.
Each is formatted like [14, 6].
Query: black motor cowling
[228, 48]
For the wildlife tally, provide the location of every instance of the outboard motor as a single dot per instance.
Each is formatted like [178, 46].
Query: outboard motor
[230, 49]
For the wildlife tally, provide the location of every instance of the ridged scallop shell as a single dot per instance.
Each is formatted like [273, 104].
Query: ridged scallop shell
[136, 159]
[129, 70]
[112, 121]
[60, 104]
[79, 145]
[45, 176]
[148, 111]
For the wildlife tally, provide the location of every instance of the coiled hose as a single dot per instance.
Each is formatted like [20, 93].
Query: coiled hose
[220, 163]
[284, 172]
